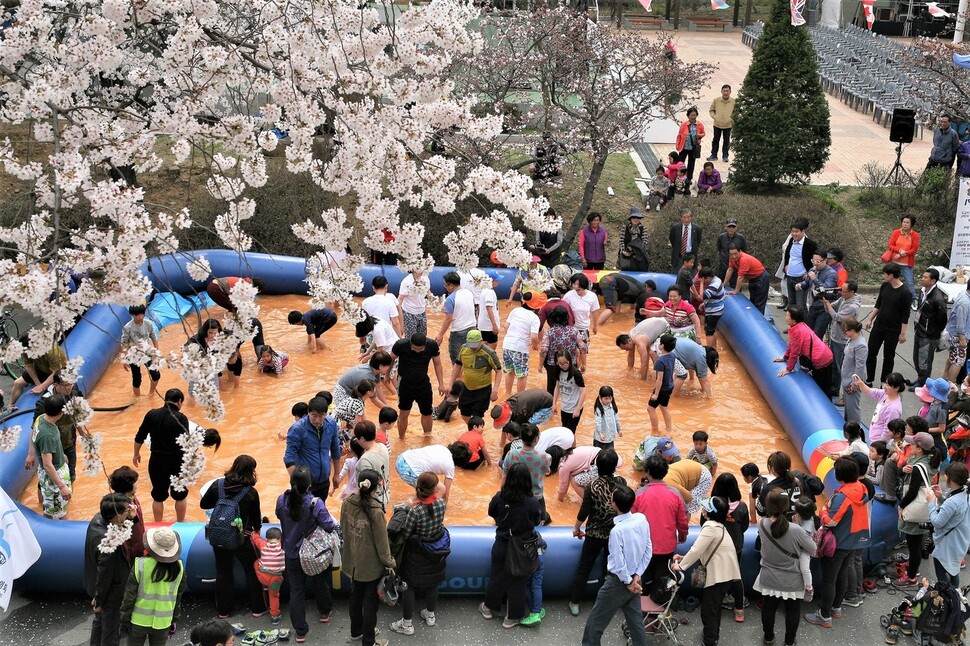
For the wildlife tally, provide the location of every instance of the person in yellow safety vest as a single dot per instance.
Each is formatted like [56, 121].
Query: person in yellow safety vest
[530, 278]
[154, 590]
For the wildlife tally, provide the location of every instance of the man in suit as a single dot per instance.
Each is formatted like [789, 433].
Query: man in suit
[684, 238]
[798, 261]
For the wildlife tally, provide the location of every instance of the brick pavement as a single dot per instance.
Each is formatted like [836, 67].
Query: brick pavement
[856, 138]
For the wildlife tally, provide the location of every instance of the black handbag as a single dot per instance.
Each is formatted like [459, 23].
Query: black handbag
[522, 555]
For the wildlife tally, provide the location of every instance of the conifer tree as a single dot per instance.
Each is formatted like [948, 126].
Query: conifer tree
[781, 122]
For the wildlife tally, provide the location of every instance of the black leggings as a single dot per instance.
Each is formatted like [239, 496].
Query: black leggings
[136, 375]
[571, 420]
[914, 542]
[430, 595]
[793, 615]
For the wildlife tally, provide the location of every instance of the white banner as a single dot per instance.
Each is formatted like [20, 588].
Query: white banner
[18, 546]
[960, 251]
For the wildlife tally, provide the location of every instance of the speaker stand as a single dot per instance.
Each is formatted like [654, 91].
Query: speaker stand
[895, 173]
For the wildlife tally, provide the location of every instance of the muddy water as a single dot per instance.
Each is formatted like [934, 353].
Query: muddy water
[742, 427]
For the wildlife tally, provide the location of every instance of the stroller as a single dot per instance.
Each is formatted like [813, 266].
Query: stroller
[936, 614]
[658, 615]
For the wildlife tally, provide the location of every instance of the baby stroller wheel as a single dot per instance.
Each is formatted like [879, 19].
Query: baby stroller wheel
[884, 621]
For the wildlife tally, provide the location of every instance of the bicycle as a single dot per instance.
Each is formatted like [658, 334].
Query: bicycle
[10, 331]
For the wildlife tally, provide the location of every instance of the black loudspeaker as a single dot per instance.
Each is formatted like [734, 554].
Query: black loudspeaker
[902, 126]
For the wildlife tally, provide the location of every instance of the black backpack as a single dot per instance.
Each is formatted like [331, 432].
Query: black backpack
[221, 530]
[813, 483]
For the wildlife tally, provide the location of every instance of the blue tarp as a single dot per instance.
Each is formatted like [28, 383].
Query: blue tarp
[169, 307]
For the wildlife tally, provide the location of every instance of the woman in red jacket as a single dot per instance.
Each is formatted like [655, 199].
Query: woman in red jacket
[903, 245]
[689, 141]
[803, 342]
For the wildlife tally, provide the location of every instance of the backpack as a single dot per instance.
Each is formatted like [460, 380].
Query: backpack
[222, 531]
[320, 549]
[813, 483]
[824, 539]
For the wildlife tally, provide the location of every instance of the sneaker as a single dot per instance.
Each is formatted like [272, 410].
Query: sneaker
[325, 617]
[854, 601]
[574, 609]
[836, 613]
[257, 615]
[403, 626]
[380, 642]
[905, 582]
[510, 623]
[249, 639]
[739, 616]
[486, 613]
[276, 620]
[534, 618]
[428, 617]
[264, 638]
[870, 586]
[817, 619]
[358, 638]
[300, 639]
[712, 158]
[724, 159]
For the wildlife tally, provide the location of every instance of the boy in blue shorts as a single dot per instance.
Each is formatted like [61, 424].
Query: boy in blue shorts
[663, 384]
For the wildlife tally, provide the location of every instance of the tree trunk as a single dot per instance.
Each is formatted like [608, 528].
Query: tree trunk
[595, 172]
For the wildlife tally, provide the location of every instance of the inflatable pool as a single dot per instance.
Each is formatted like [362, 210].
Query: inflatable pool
[807, 416]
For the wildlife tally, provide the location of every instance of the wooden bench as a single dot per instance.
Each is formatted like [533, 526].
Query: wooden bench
[696, 22]
[647, 22]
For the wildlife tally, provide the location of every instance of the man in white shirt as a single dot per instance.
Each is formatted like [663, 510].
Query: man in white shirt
[630, 553]
[412, 304]
[382, 305]
[459, 315]
[520, 335]
[488, 319]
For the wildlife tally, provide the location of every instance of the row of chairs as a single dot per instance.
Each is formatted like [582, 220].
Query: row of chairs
[862, 70]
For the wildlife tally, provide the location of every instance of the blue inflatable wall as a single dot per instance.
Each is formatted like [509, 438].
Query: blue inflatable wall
[805, 413]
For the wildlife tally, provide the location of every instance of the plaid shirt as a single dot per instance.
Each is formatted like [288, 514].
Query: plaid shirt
[425, 521]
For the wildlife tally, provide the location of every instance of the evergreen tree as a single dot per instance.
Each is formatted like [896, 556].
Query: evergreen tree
[781, 122]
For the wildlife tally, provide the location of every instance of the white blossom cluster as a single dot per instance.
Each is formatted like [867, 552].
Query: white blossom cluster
[9, 437]
[193, 459]
[116, 536]
[91, 454]
[109, 86]
[79, 410]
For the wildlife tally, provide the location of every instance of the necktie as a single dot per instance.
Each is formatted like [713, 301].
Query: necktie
[683, 242]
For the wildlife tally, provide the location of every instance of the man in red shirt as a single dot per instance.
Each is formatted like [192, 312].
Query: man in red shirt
[667, 515]
[748, 268]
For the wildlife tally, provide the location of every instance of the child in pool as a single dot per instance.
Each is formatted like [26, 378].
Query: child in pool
[606, 419]
[271, 361]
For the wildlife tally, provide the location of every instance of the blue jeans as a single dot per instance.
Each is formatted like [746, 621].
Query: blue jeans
[906, 275]
[614, 596]
[535, 587]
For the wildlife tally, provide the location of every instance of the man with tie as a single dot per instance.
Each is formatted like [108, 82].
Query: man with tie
[684, 238]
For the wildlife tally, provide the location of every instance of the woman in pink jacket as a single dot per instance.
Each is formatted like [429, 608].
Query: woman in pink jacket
[689, 141]
[577, 464]
[803, 342]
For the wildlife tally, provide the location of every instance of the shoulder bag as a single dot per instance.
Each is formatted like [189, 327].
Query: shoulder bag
[775, 543]
[522, 554]
[918, 511]
[698, 577]
[806, 362]
[319, 549]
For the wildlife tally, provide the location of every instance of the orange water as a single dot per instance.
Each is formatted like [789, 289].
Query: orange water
[739, 421]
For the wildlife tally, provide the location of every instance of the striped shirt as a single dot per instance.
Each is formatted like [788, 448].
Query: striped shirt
[272, 559]
[714, 297]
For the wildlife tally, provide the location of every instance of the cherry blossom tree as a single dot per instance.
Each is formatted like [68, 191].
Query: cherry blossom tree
[600, 88]
[112, 90]
[943, 85]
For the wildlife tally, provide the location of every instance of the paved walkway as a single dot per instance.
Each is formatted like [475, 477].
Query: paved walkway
[856, 138]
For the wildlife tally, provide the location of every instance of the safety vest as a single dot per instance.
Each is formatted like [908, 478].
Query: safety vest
[155, 602]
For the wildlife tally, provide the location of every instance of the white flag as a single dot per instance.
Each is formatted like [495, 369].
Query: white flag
[18, 546]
